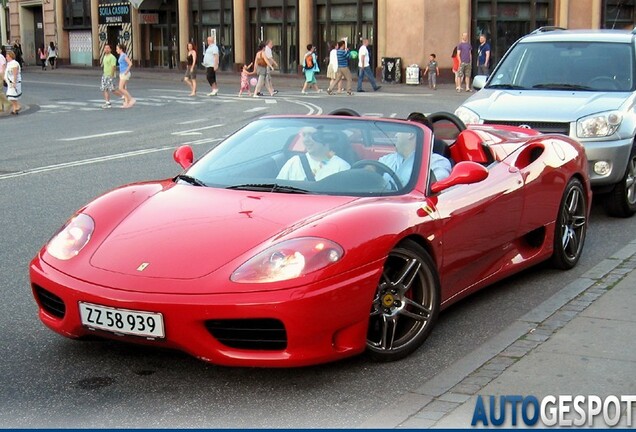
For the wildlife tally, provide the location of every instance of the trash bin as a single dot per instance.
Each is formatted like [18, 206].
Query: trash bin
[391, 69]
[413, 74]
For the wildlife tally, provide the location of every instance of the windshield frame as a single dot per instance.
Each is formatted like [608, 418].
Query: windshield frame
[272, 141]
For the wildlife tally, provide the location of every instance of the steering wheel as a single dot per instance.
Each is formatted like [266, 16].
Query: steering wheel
[380, 167]
[442, 115]
[603, 82]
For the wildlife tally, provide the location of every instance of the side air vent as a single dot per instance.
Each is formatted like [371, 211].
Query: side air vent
[50, 302]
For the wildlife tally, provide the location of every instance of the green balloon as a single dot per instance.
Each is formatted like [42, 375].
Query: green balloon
[354, 54]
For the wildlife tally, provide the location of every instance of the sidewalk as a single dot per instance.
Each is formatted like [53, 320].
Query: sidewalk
[578, 342]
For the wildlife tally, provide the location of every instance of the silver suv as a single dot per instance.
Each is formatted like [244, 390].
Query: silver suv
[580, 83]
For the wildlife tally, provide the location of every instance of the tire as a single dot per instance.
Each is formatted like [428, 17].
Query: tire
[570, 227]
[621, 201]
[406, 304]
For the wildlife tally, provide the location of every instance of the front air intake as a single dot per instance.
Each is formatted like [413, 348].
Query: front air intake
[251, 334]
[50, 302]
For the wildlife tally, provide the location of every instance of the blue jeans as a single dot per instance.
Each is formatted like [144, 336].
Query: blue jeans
[366, 71]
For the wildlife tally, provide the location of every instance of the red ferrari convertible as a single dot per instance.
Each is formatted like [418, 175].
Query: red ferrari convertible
[307, 239]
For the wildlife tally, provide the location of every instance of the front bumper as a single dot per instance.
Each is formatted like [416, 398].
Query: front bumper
[323, 322]
[616, 152]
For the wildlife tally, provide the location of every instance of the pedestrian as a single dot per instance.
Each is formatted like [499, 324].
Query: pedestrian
[17, 49]
[211, 64]
[125, 64]
[42, 56]
[245, 80]
[465, 54]
[191, 69]
[332, 67]
[261, 62]
[364, 67]
[432, 70]
[272, 65]
[483, 56]
[458, 82]
[109, 66]
[3, 65]
[343, 68]
[52, 54]
[310, 68]
[13, 77]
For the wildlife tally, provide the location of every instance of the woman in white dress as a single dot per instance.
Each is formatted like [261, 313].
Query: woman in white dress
[13, 77]
[332, 68]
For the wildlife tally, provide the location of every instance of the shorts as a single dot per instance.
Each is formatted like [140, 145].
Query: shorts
[310, 76]
[464, 70]
[191, 74]
[108, 83]
[210, 74]
[124, 76]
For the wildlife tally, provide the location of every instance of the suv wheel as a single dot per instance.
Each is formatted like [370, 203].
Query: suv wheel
[621, 202]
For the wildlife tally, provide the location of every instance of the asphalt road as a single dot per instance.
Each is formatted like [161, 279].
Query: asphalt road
[65, 150]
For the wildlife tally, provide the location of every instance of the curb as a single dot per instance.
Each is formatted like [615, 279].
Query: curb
[426, 405]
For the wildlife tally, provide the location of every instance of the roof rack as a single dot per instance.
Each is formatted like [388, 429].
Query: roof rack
[547, 29]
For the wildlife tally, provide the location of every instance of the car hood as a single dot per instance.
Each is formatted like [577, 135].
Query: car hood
[539, 105]
[186, 232]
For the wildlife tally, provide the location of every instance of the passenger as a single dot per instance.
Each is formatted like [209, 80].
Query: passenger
[401, 162]
[317, 163]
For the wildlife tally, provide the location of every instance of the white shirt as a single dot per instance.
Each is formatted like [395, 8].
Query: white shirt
[363, 56]
[8, 72]
[333, 59]
[440, 166]
[293, 168]
[211, 55]
[268, 52]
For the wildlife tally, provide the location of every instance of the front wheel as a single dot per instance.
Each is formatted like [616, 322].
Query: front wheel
[406, 304]
[621, 202]
[571, 226]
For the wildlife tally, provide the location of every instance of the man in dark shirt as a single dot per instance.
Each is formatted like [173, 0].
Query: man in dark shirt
[483, 56]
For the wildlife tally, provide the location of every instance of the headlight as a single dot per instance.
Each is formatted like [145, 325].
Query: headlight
[467, 116]
[288, 260]
[599, 125]
[73, 236]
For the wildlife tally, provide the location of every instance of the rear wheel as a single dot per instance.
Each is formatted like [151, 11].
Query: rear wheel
[406, 303]
[621, 202]
[571, 226]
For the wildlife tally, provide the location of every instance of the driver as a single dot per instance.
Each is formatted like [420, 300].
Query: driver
[401, 162]
[319, 161]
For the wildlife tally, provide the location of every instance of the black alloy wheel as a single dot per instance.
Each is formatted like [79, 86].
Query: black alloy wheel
[621, 201]
[406, 304]
[571, 226]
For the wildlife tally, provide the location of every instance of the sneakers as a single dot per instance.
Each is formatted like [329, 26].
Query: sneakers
[329, 92]
[213, 93]
[377, 88]
[259, 94]
[107, 105]
[303, 92]
[275, 92]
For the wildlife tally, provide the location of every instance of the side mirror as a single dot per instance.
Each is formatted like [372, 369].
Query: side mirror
[464, 172]
[479, 81]
[184, 156]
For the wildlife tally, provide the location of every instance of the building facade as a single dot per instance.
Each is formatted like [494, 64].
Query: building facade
[156, 32]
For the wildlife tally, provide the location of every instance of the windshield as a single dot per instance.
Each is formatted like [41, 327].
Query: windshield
[584, 66]
[317, 155]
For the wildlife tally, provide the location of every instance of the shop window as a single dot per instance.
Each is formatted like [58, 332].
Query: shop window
[77, 14]
[618, 14]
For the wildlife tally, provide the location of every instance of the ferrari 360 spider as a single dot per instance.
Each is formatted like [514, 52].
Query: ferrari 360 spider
[307, 239]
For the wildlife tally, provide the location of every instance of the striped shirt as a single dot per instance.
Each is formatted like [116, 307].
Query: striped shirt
[343, 58]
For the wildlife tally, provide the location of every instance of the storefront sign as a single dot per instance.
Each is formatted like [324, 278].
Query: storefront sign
[148, 18]
[114, 13]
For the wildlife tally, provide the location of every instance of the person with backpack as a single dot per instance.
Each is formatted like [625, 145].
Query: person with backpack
[310, 68]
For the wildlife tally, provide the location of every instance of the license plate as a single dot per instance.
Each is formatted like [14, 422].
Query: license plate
[122, 321]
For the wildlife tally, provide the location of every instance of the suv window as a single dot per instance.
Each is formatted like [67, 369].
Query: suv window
[593, 66]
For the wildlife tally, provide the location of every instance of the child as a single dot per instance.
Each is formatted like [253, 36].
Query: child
[432, 70]
[245, 80]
